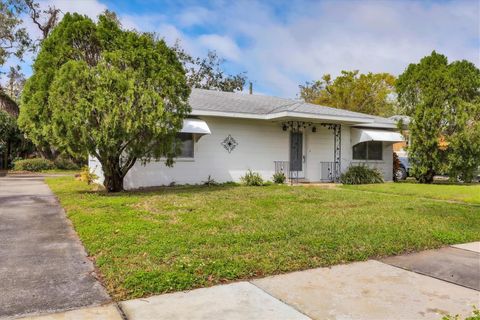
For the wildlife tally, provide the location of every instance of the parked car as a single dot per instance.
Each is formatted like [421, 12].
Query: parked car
[403, 171]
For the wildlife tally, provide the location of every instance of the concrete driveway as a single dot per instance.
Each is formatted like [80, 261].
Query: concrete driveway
[43, 265]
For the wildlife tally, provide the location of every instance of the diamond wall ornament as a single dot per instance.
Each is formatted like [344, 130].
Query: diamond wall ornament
[229, 143]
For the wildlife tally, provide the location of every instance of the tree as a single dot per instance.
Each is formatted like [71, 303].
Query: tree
[9, 136]
[370, 93]
[15, 82]
[14, 40]
[45, 20]
[118, 95]
[443, 101]
[8, 129]
[207, 73]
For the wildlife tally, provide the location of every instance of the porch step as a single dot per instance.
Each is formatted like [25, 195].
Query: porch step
[299, 180]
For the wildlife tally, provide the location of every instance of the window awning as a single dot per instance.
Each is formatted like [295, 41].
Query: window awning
[362, 135]
[196, 126]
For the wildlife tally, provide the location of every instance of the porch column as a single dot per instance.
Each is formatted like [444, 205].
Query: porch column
[337, 149]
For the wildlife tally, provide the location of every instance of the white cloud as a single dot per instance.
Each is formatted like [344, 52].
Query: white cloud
[280, 49]
[224, 45]
[90, 8]
[327, 37]
[194, 16]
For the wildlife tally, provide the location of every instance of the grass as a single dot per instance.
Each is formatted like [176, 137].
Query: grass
[450, 192]
[179, 238]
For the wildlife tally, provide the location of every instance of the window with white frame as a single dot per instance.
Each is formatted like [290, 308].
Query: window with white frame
[186, 145]
[370, 150]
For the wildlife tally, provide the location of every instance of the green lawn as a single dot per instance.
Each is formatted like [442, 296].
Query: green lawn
[185, 237]
[464, 193]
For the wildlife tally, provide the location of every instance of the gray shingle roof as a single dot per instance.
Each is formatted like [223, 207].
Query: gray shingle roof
[228, 102]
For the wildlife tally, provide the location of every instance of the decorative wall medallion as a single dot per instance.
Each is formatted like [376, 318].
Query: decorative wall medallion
[229, 143]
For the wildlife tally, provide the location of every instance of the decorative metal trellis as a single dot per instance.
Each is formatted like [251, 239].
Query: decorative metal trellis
[337, 149]
[229, 143]
[295, 126]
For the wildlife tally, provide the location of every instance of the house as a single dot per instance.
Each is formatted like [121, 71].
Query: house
[230, 133]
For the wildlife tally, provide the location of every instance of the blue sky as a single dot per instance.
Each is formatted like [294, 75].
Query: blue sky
[281, 44]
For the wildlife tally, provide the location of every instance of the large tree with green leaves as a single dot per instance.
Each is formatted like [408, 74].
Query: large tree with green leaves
[208, 73]
[8, 130]
[12, 142]
[118, 95]
[443, 101]
[14, 39]
[370, 93]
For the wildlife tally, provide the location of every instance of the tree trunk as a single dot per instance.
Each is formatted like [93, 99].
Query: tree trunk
[427, 177]
[114, 171]
[8, 155]
[113, 174]
[113, 181]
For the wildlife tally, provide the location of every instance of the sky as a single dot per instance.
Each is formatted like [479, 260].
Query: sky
[282, 44]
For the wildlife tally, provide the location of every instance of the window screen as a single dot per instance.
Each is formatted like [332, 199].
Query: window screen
[370, 150]
[186, 146]
[374, 150]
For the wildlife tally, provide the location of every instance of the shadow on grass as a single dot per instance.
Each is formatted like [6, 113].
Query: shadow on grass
[164, 190]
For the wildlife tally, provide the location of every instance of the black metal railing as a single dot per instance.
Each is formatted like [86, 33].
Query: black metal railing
[329, 171]
[284, 167]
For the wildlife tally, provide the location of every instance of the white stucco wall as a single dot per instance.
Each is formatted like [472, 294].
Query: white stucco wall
[260, 143]
[385, 165]
[319, 148]
[96, 168]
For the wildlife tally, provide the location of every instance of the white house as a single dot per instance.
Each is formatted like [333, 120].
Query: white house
[230, 133]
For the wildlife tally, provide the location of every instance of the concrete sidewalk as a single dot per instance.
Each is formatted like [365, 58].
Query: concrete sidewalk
[361, 290]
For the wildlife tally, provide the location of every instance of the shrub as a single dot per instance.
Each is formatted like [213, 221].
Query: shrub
[35, 164]
[210, 182]
[252, 179]
[279, 177]
[396, 166]
[361, 175]
[65, 164]
[87, 176]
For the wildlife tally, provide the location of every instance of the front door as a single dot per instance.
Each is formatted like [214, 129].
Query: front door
[296, 154]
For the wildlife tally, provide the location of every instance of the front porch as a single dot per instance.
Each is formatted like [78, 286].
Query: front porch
[321, 152]
[315, 152]
[329, 172]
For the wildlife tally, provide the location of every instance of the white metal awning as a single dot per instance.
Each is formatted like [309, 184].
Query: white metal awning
[196, 126]
[362, 135]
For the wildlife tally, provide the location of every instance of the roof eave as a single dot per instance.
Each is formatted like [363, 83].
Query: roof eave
[286, 115]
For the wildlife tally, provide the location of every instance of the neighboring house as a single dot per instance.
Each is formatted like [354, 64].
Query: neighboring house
[230, 133]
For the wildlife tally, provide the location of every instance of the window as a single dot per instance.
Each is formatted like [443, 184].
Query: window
[187, 144]
[370, 150]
